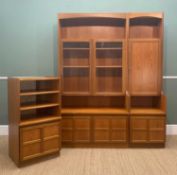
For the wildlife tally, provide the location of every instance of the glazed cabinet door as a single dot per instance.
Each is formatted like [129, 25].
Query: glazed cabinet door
[144, 66]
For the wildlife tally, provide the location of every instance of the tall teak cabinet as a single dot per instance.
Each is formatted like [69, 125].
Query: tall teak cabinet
[111, 75]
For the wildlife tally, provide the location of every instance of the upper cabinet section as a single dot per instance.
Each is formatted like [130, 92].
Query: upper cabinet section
[145, 26]
[92, 26]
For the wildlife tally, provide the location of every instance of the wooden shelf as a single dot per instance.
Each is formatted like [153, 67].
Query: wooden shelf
[118, 48]
[76, 48]
[110, 94]
[108, 67]
[104, 111]
[37, 106]
[146, 111]
[76, 66]
[38, 119]
[38, 92]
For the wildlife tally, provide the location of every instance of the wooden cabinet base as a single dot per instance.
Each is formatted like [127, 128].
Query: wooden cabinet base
[43, 157]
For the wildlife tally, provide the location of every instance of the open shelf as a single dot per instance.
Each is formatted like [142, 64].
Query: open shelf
[38, 119]
[145, 27]
[90, 27]
[146, 105]
[96, 102]
[37, 106]
[105, 111]
[32, 85]
[147, 111]
[28, 93]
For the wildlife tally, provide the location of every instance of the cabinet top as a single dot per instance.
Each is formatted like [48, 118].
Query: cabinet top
[109, 15]
[35, 78]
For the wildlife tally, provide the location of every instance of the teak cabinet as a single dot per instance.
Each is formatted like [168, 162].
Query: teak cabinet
[111, 74]
[34, 117]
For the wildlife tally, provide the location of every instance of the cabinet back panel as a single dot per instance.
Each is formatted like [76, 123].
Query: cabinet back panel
[145, 28]
[91, 27]
[92, 101]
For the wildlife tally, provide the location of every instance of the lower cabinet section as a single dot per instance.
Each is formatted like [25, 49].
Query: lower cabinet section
[147, 129]
[38, 140]
[94, 129]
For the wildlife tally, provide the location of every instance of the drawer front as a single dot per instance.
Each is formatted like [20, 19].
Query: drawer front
[30, 151]
[51, 130]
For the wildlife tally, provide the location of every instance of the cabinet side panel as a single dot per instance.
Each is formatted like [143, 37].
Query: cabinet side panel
[14, 114]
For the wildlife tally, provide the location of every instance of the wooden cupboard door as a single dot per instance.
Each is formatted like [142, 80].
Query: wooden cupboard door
[145, 65]
[82, 129]
[157, 130]
[51, 137]
[147, 129]
[51, 130]
[30, 142]
[37, 140]
[101, 129]
[118, 131]
[139, 130]
[51, 145]
[67, 129]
